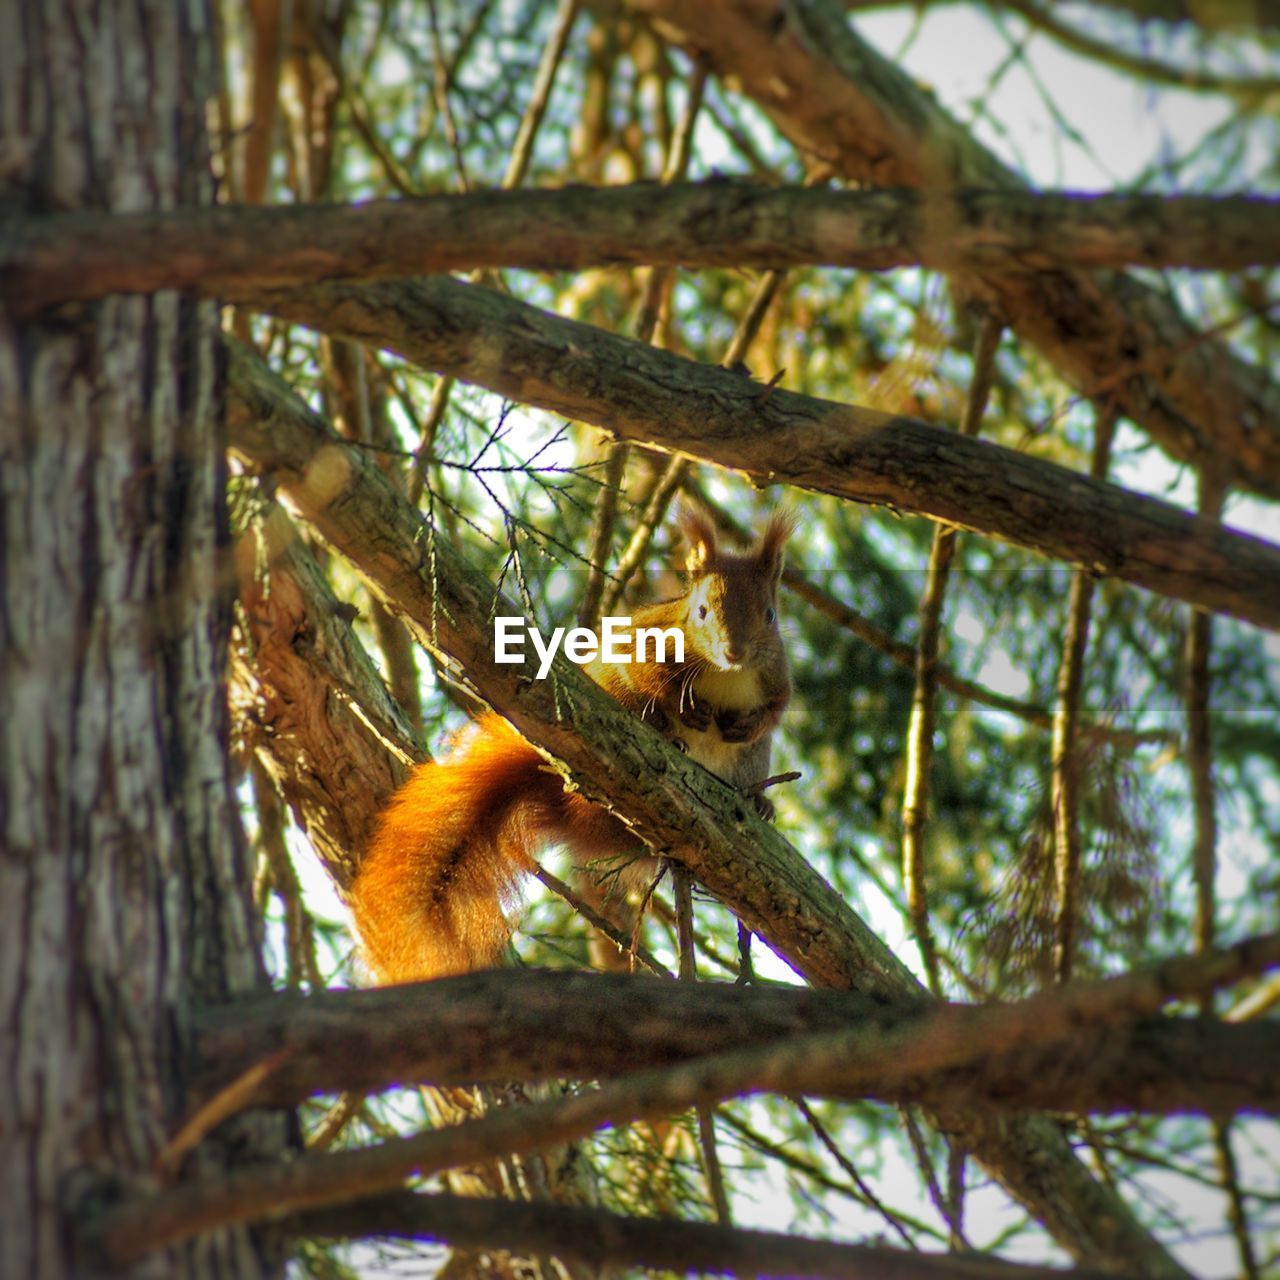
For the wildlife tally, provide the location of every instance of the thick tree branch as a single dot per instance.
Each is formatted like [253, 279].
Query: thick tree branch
[76, 257]
[842, 103]
[659, 399]
[1094, 1050]
[950, 1038]
[307, 695]
[671, 802]
[606, 1240]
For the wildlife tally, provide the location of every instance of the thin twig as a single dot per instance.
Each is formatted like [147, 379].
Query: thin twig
[924, 1162]
[677, 468]
[299, 929]
[1065, 751]
[920, 729]
[544, 81]
[441, 84]
[624, 943]
[598, 598]
[1200, 744]
[1112, 55]
[517, 167]
[335, 1120]
[851, 1171]
[682, 890]
[603, 521]
[1199, 683]
[904, 655]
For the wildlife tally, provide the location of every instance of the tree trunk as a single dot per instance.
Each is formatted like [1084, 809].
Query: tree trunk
[124, 877]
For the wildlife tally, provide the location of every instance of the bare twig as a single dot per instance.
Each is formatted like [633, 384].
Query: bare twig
[1066, 735]
[300, 945]
[627, 945]
[335, 1120]
[1199, 684]
[677, 468]
[851, 1171]
[796, 581]
[552, 54]
[682, 889]
[920, 729]
[1199, 741]
[1109, 52]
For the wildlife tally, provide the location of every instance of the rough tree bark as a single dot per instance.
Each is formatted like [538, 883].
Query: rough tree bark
[124, 876]
[534, 1026]
[725, 224]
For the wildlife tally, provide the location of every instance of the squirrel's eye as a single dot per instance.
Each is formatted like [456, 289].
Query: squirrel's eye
[769, 616]
[702, 611]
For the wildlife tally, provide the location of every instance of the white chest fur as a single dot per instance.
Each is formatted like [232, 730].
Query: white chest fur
[733, 690]
[730, 690]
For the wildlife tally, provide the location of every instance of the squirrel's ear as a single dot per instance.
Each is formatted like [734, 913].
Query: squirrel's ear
[772, 541]
[700, 534]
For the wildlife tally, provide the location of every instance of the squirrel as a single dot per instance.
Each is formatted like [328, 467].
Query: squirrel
[449, 852]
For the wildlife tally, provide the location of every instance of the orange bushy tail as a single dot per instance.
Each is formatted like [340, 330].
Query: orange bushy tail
[444, 866]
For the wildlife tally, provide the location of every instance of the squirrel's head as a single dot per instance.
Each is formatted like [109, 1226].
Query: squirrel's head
[731, 617]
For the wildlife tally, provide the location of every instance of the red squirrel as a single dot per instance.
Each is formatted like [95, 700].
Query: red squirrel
[445, 863]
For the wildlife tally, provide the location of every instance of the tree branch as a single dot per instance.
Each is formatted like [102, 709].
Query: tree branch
[662, 400]
[77, 257]
[1256, 15]
[1096, 1049]
[611, 1241]
[947, 1038]
[299, 725]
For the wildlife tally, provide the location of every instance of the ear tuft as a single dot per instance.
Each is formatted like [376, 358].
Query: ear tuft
[773, 539]
[700, 534]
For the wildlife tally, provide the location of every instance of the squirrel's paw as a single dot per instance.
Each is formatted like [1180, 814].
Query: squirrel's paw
[737, 726]
[695, 713]
[654, 715]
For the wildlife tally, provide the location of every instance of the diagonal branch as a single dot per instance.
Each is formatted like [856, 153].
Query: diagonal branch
[299, 723]
[1263, 15]
[659, 399]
